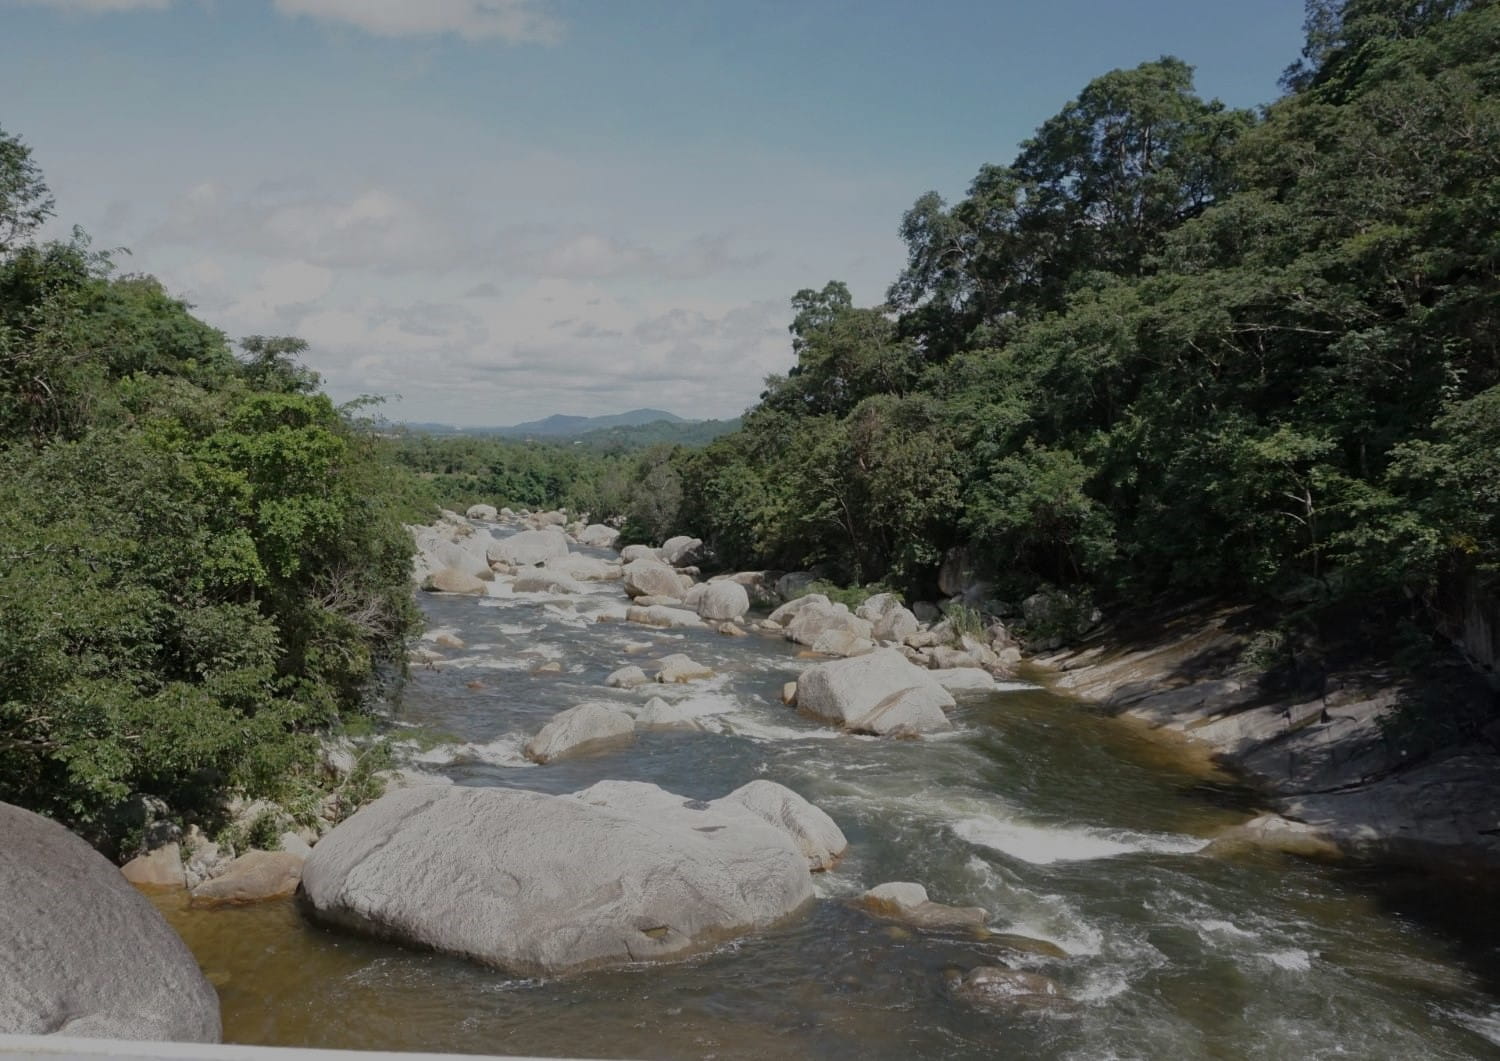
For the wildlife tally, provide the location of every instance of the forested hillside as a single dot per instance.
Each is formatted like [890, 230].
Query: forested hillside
[201, 559]
[1170, 347]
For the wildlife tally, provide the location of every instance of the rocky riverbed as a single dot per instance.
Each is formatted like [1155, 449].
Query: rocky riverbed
[1018, 868]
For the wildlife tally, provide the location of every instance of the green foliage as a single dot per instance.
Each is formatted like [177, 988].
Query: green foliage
[1170, 348]
[202, 563]
[852, 596]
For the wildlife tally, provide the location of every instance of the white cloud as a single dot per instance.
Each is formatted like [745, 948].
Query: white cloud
[515, 21]
[372, 229]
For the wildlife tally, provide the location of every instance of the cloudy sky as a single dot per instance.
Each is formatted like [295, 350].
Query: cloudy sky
[493, 210]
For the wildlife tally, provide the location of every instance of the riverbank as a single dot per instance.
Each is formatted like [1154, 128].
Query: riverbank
[1334, 762]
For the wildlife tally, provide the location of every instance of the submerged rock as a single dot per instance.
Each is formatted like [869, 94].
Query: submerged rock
[997, 987]
[82, 952]
[587, 727]
[1271, 832]
[538, 885]
[876, 693]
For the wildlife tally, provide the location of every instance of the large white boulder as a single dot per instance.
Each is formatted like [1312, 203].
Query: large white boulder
[638, 552]
[484, 512]
[82, 953]
[527, 548]
[880, 692]
[723, 601]
[587, 727]
[535, 884]
[652, 578]
[598, 536]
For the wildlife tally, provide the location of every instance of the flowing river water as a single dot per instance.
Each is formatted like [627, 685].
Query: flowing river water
[1069, 827]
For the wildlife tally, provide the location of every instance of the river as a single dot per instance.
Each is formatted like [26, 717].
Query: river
[1069, 827]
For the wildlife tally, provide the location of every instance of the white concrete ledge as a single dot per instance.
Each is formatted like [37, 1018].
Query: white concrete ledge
[56, 1047]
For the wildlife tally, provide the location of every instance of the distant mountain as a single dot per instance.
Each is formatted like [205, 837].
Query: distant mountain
[559, 426]
[660, 432]
[622, 432]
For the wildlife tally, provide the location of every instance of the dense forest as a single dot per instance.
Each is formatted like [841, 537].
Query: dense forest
[202, 562]
[1170, 348]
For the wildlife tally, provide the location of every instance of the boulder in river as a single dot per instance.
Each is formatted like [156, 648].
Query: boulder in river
[451, 580]
[664, 617]
[585, 728]
[659, 714]
[544, 580]
[631, 553]
[831, 629]
[82, 952]
[535, 884]
[680, 668]
[994, 986]
[627, 678]
[159, 870]
[907, 902]
[252, 878]
[484, 512]
[652, 578]
[723, 601]
[529, 548]
[880, 692]
[598, 536]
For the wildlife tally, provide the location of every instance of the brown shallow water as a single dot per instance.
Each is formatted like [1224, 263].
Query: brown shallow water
[1066, 825]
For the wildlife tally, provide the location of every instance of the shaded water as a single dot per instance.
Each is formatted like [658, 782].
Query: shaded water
[1067, 826]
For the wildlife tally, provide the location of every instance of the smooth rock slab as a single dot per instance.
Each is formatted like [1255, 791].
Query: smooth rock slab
[82, 952]
[539, 885]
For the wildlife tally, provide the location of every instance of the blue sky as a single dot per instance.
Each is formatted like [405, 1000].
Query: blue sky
[490, 210]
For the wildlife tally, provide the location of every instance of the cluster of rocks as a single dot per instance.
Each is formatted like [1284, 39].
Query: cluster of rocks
[992, 985]
[596, 726]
